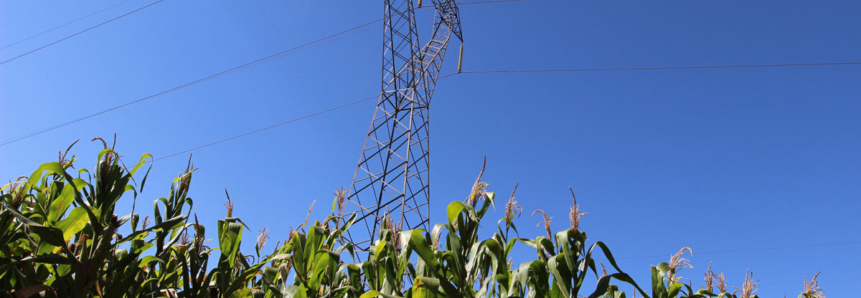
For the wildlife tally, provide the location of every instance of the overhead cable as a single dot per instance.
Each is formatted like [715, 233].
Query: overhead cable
[64, 24]
[658, 68]
[264, 59]
[187, 84]
[269, 127]
[80, 32]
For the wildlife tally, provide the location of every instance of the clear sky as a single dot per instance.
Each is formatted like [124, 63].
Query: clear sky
[714, 159]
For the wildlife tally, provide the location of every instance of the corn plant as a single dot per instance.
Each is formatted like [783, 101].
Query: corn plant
[811, 288]
[62, 238]
[314, 259]
[456, 268]
[567, 262]
[74, 251]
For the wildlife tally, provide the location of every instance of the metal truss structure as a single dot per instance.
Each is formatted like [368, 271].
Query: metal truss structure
[392, 175]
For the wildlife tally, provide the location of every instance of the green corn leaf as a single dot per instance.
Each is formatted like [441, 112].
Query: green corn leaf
[425, 287]
[57, 168]
[49, 235]
[299, 261]
[166, 225]
[424, 250]
[322, 261]
[296, 292]
[23, 219]
[373, 294]
[604, 284]
[279, 257]
[147, 260]
[454, 209]
[141, 163]
[62, 202]
[663, 268]
[674, 289]
[74, 223]
[230, 240]
[562, 278]
[241, 293]
[313, 241]
[609, 255]
[658, 288]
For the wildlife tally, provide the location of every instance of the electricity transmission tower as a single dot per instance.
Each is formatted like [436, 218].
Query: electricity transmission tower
[392, 176]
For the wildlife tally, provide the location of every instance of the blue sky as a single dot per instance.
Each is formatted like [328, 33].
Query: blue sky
[714, 159]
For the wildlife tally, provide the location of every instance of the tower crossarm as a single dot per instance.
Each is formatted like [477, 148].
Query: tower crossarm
[446, 23]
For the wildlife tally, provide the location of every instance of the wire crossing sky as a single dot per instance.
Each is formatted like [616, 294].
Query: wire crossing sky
[79, 32]
[264, 59]
[445, 76]
[502, 71]
[232, 69]
[64, 24]
[664, 67]
[267, 127]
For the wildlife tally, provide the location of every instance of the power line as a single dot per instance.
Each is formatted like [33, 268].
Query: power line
[660, 68]
[188, 84]
[65, 24]
[445, 76]
[204, 78]
[306, 116]
[136, 10]
[753, 249]
[268, 127]
[81, 32]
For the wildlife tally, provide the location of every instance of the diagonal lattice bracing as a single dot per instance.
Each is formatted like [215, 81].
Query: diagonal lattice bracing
[393, 171]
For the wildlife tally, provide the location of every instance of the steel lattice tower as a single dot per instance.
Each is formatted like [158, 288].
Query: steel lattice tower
[392, 175]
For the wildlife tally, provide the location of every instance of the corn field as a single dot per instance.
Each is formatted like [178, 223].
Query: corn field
[61, 239]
